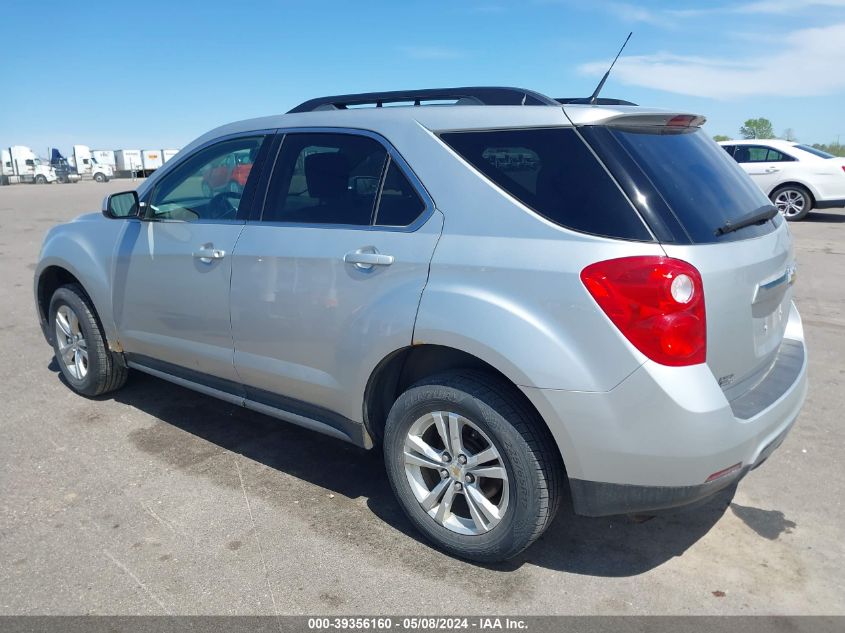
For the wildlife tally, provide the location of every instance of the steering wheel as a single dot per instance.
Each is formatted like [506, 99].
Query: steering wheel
[224, 205]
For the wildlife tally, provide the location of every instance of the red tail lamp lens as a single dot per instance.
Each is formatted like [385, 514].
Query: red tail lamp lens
[656, 302]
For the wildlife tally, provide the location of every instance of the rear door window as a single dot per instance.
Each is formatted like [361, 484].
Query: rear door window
[325, 179]
[399, 203]
[555, 174]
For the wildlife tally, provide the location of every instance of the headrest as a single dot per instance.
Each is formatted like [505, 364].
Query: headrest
[327, 175]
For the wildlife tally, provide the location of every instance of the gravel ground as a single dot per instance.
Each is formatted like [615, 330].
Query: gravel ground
[159, 500]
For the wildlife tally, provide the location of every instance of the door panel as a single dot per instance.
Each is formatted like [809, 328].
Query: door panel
[169, 303]
[173, 267]
[311, 326]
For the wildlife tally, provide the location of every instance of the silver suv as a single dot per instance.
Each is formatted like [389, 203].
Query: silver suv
[512, 295]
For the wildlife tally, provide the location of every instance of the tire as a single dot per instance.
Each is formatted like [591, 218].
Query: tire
[793, 201]
[526, 499]
[40, 180]
[99, 177]
[80, 346]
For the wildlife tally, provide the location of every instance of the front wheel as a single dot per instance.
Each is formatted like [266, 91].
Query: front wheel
[40, 180]
[475, 471]
[792, 201]
[80, 347]
[100, 177]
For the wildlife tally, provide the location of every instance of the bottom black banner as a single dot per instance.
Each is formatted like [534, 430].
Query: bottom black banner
[378, 624]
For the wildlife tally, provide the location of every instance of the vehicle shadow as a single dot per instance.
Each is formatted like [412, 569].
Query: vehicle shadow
[821, 216]
[610, 546]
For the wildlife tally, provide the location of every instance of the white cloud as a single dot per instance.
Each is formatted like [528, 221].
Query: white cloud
[667, 17]
[431, 52]
[637, 13]
[808, 62]
[784, 6]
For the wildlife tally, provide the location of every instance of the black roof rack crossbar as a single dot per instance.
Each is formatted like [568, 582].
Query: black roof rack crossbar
[598, 101]
[469, 95]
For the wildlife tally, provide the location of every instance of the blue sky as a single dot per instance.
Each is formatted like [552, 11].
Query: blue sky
[159, 74]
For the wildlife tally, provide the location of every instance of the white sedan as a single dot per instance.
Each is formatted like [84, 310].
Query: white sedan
[796, 177]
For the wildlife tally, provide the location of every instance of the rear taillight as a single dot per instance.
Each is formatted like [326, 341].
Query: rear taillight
[656, 302]
[843, 167]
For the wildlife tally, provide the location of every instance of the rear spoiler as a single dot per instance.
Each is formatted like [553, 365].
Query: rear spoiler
[630, 116]
[668, 119]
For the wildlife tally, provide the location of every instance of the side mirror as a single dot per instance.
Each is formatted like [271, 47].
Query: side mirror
[119, 206]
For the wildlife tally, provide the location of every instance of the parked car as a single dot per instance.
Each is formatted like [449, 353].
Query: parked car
[796, 177]
[609, 309]
[229, 173]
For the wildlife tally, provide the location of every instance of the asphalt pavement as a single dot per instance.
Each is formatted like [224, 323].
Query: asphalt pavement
[157, 500]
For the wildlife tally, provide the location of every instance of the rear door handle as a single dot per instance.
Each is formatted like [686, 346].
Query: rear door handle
[207, 253]
[367, 257]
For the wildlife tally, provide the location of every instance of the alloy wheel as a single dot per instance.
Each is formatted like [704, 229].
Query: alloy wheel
[456, 473]
[790, 202]
[73, 348]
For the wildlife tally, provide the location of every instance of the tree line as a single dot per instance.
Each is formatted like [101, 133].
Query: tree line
[762, 128]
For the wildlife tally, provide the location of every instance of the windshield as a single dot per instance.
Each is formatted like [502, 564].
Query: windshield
[817, 152]
[696, 179]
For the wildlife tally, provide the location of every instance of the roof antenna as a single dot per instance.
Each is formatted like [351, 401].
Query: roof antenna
[595, 96]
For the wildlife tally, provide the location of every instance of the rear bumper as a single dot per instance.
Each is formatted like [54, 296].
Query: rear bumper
[654, 440]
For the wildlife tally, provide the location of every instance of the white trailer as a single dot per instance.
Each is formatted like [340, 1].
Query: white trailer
[167, 154]
[104, 157]
[20, 164]
[128, 162]
[151, 160]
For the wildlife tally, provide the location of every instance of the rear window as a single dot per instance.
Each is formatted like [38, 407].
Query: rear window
[554, 173]
[813, 150]
[698, 181]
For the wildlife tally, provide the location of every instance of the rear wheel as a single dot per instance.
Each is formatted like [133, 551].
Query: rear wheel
[80, 347]
[474, 470]
[793, 201]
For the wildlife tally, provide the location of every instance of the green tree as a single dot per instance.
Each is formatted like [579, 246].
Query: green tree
[757, 128]
[722, 137]
[835, 148]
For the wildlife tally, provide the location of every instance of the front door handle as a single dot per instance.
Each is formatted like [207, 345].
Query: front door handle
[207, 253]
[771, 170]
[367, 257]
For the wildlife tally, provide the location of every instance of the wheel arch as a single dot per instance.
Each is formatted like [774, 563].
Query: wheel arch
[404, 367]
[796, 183]
[53, 276]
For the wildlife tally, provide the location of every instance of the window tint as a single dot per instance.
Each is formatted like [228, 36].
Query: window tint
[729, 149]
[208, 185]
[553, 172]
[399, 204]
[701, 185]
[325, 179]
[759, 154]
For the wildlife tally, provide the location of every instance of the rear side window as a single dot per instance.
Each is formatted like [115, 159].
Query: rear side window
[759, 154]
[554, 173]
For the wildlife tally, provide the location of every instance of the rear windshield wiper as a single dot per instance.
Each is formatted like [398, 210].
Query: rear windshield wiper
[763, 214]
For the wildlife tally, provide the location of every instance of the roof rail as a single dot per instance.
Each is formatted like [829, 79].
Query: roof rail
[463, 96]
[599, 101]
